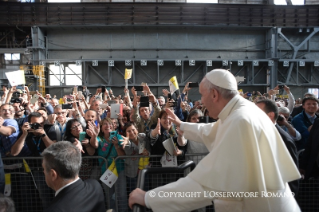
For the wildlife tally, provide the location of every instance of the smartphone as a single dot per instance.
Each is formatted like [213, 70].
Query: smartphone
[138, 88]
[280, 86]
[80, 95]
[66, 106]
[144, 104]
[276, 92]
[34, 98]
[103, 89]
[144, 99]
[96, 123]
[82, 136]
[80, 88]
[113, 133]
[172, 104]
[249, 94]
[193, 85]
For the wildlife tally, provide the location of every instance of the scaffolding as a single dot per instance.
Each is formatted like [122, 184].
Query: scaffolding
[38, 70]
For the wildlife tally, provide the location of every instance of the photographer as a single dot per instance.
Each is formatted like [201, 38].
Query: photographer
[36, 135]
[283, 122]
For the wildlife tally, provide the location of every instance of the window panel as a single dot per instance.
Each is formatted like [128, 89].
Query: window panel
[73, 80]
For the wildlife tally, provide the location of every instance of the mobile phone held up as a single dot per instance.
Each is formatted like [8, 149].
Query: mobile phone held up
[66, 106]
[138, 88]
[193, 85]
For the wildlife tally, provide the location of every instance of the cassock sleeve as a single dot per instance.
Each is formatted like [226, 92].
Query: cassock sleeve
[197, 132]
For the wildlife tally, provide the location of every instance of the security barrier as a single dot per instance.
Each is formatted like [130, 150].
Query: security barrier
[127, 180]
[25, 181]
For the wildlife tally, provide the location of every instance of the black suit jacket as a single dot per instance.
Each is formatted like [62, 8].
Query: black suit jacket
[309, 157]
[294, 185]
[84, 196]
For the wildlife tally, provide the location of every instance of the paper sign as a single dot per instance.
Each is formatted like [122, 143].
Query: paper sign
[168, 160]
[128, 73]
[169, 146]
[16, 77]
[141, 147]
[173, 84]
[110, 175]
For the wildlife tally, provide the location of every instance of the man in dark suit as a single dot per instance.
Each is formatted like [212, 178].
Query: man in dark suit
[271, 109]
[61, 164]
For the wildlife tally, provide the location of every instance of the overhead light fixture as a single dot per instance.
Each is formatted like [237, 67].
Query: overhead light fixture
[300, 30]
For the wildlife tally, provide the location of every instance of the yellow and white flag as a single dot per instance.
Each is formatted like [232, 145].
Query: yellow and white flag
[110, 175]
[128, 73]
[173, 84]
[7, 188]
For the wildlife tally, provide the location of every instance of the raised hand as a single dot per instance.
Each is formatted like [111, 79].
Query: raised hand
[95, 129]
[165, 92]
[78, 144]
[173, 117]
[157, 130]
[125, 141]
[52, 118]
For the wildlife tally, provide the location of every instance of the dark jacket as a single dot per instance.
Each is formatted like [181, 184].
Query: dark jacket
[302, 123]
[308, 160]
[84, 196]
[294, 185]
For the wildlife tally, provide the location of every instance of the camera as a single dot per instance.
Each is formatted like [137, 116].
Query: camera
[15, 100]
[172, 104]
[280, 86]
[280, 118]
[35, 126]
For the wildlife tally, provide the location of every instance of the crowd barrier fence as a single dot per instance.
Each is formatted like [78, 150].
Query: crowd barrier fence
[28, 189]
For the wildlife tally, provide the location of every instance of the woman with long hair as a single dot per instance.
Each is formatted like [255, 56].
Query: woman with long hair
[110, 146]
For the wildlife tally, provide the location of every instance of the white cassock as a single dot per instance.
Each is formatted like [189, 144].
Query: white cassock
[247, 154]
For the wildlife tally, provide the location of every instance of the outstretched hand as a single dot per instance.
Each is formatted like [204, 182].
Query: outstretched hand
[158, 126]
[173, 118]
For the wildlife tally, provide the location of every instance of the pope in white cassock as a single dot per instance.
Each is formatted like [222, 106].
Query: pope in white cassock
[247, 154]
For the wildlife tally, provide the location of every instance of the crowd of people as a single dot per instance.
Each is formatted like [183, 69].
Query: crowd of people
[28, 127]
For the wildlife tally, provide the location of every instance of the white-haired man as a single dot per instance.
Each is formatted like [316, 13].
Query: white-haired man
[247, 158]
[283, 122]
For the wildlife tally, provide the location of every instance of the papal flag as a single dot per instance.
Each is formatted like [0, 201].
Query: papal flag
[173, 84]
[110, 175]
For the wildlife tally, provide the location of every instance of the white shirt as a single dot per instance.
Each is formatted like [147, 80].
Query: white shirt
[58, 191]
[247, 154]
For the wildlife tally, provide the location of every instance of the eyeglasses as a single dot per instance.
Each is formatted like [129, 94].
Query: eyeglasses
[76, 126]
[62, 113]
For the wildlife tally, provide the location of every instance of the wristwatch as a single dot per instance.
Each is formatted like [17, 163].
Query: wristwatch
[43, 135]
